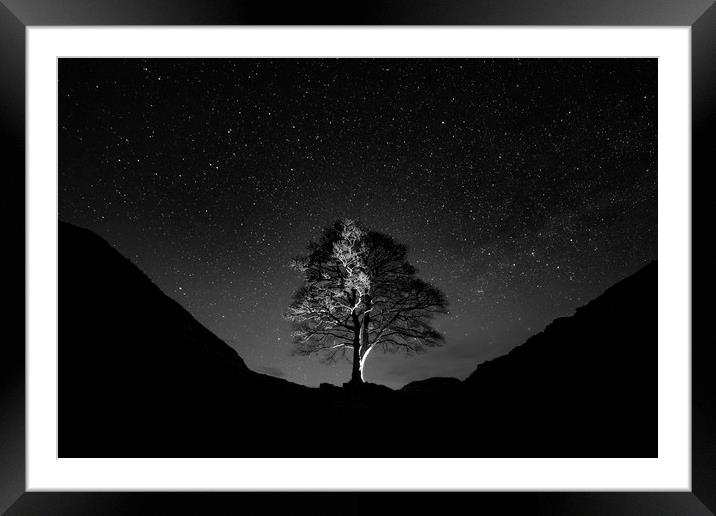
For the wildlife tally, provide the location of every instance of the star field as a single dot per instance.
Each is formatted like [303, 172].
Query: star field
[523, 187]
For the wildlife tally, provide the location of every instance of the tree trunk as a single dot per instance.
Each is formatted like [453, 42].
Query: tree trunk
[363, 358]
[355, 373]
[364, 336]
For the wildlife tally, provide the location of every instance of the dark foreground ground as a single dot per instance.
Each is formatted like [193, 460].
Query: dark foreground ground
[140, 377]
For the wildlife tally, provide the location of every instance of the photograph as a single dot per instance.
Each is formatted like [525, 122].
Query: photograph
[357, 257]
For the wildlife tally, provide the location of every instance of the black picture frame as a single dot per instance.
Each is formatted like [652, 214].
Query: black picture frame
[17, 15]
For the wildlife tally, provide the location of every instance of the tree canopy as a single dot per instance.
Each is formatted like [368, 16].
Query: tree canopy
[359, 293]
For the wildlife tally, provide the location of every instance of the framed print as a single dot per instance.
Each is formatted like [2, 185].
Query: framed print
[317, 251]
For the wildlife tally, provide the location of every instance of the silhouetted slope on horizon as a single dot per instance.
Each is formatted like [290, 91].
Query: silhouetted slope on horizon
[139, 376]
[595, 373]
[134, 365]
[434, 384]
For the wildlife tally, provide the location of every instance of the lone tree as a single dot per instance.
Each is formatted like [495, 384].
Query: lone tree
[359, 293]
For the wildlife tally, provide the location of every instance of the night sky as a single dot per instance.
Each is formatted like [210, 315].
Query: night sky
[523, 188]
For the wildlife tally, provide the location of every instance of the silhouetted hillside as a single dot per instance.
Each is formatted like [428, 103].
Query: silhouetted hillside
[139, 376]
[594, 374]
[435, 384]
[134, 366]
